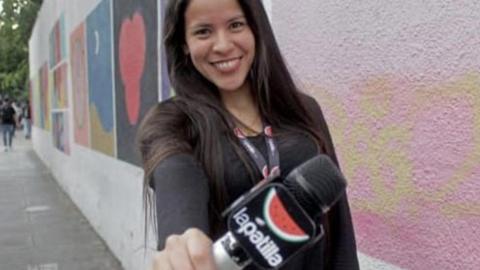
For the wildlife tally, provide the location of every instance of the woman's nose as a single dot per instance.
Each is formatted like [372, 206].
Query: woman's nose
[223, 43]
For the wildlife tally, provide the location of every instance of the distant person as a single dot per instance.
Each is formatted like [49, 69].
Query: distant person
[18, 116]
[8, 124]
[27, 120]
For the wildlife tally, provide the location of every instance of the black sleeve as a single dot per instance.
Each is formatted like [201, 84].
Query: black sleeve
[181, 192]
[341, 247]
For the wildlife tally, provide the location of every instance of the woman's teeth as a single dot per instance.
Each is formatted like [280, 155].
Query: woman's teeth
[227, 65]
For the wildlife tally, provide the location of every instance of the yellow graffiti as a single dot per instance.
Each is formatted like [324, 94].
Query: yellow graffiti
[466, 88]
[386, 146]
[100, 139]
[379, 92]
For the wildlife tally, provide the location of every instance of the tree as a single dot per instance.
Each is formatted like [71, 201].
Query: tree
[16, 22]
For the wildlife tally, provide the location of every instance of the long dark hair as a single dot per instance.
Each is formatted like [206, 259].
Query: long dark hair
[195, 120]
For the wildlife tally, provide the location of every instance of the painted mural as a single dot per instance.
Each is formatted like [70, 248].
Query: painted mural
[57, 40]
[55, 88]
[96, 95]
[59, 87]
[60, 130]
[100, 83]
[166, 90]
[44, 112]
[81, 126]
[136, 76]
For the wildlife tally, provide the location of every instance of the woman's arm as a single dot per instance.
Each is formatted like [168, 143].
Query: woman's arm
[181, 193]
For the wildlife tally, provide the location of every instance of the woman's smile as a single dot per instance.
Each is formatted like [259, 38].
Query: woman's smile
[227, 66]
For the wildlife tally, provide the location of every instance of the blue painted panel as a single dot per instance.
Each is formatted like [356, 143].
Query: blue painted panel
[99, 51]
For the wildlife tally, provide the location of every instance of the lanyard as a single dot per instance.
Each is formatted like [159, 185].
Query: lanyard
[273, 167]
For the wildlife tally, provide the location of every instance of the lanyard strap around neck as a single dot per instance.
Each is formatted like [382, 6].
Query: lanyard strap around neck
[273, 166]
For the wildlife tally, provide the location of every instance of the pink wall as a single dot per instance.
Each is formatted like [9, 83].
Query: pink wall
[399, 82]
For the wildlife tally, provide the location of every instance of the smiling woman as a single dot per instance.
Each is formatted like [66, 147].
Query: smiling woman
[221, 47]
[237, 117]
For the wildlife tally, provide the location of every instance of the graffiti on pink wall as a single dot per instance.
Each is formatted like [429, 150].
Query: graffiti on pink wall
[412, 157]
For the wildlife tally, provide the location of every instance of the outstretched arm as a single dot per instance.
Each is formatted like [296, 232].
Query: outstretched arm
[181, 193]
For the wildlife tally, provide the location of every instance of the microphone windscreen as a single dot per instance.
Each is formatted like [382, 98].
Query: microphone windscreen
[316, 184]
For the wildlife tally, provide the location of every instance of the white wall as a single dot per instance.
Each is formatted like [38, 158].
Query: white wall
[107, 191]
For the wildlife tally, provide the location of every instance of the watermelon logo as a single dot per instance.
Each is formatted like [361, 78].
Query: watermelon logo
[280, 221]
[265, 246]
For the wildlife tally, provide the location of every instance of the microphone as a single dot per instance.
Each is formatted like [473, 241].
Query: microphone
[275, 220]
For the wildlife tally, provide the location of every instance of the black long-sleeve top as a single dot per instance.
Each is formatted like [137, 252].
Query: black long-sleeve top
[182, 195]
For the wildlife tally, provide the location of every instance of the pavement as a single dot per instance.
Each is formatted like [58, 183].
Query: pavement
[40, 227]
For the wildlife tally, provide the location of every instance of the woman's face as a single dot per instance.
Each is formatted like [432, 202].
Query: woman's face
[220, 42]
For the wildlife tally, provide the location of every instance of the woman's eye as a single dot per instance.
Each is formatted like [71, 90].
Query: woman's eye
[237, 25]
[201, 33]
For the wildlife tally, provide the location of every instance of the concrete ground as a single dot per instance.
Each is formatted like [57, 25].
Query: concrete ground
[40, 227]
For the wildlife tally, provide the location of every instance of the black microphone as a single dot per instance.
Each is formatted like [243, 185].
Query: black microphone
[275, 220]
[317, 184]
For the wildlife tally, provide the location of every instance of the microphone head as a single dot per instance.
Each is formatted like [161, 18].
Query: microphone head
[317, 184]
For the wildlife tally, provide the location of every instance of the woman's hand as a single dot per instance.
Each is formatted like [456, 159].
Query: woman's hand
[190, 251]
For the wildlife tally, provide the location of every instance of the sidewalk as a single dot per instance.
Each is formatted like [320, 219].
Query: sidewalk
[40, 228]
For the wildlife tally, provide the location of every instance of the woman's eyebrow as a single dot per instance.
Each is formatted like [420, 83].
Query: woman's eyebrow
[200, 24]
[240, 16]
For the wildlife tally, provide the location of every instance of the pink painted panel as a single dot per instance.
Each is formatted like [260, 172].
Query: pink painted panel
[78, 62]
[400, 86]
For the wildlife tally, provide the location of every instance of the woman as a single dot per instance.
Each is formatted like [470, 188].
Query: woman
[231, 82]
